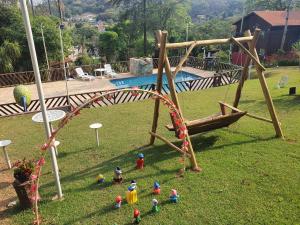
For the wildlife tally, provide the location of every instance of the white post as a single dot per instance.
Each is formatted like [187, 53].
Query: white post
[187, 34]
[249, 71]
[242, 22]
[6, 157]
[97, 137]
[37, 75]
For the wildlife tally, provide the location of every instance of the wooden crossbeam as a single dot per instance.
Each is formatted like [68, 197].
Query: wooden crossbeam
[247, 52]
[259, 118]
[234, 109]
[182, 61]
[206, 42]
[170, 144]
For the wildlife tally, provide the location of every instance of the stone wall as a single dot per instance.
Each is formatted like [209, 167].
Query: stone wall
[141, 66]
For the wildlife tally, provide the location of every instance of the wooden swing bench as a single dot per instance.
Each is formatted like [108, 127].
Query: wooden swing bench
[212, 122]
[221, 119]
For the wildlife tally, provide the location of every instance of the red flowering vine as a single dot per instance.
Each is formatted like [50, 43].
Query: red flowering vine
[174, 112]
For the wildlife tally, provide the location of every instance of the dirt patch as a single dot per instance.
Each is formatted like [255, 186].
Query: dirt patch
[7, 193]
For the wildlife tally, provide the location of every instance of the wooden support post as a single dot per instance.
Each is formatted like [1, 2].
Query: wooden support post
[266, 93]
[245, 69]
[169, 143]
[162, 39]
[171, 84]
[176, 102]
[223, 109]
[234, 109]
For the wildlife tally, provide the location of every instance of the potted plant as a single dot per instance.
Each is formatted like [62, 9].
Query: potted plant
[22, 172]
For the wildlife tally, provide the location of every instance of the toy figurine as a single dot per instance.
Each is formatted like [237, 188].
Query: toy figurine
[136, 216]
[156, 188]
[140, 161]
[118, 202]
[174, 196]
[118, 175]
[155, 207]
[100, 178]
[131, 194]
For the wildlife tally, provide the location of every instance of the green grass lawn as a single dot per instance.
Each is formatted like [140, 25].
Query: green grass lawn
[249, 177]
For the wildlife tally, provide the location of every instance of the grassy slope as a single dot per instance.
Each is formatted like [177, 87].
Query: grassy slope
[248, 176]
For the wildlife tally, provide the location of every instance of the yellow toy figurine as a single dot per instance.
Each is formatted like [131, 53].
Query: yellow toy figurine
[131, 194]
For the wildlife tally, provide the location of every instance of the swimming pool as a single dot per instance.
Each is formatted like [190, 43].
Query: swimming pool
[151, 79]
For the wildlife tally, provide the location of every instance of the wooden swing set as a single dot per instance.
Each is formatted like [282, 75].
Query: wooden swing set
[224, 118]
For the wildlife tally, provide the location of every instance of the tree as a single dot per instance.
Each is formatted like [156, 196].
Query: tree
[270, 4]
[86, 36]
[9, 53]
[12, 28]
[132, 6]
[170, 15]
[108, 44]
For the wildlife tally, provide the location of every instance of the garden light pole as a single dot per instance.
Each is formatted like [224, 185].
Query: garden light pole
[61, 26]
[38, 81]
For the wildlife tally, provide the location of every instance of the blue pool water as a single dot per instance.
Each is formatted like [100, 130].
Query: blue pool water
[151, 79]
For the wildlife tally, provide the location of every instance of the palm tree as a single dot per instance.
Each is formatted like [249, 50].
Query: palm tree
[9, 53]
[144, 2]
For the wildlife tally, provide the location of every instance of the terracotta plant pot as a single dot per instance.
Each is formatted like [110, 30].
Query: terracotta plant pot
[22, 190]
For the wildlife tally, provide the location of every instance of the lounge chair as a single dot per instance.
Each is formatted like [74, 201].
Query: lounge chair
[109, 71]
[82, 75]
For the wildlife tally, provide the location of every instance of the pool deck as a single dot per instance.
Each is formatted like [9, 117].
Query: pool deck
[58, 88]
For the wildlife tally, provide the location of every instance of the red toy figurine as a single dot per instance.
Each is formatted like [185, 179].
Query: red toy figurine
[140, 161]
[136, 216]
[118, 202]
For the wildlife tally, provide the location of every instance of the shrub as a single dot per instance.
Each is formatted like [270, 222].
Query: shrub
[286, 59]
[23, 170]
[84, 60]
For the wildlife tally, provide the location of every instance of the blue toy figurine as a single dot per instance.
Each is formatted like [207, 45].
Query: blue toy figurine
[156, 188]
[155, 207]
[174, 196]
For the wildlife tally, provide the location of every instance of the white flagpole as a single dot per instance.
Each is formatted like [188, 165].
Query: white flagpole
[38, 81]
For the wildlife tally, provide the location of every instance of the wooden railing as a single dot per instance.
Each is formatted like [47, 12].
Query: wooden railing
[220, 79]
[56, 74]
[12, 79]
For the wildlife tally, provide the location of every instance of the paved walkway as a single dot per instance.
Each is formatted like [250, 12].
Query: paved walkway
[7, 193]
[58, 88]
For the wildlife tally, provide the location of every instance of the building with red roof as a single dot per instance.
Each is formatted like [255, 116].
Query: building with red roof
[272, 25]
